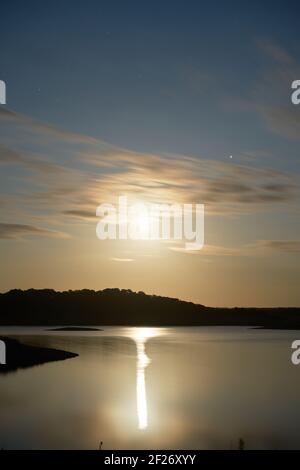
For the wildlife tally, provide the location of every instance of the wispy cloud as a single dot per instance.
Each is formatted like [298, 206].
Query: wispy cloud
[44, 128]
[223, 187]
[210, 250]
[283, 120]
[258, 248]
[275, 51]
[71, 191]
[81, 214]
[12, 157]
[12, 231]
[272, 94]
[281, 246]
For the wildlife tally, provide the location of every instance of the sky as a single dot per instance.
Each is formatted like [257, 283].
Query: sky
[171, 102]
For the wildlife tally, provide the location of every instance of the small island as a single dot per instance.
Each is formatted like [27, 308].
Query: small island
[21, 356]
[74, 328]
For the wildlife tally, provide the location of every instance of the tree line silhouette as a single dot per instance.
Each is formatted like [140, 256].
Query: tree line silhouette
[125, 307]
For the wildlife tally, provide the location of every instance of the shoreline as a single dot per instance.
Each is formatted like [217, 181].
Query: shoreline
[22, 356]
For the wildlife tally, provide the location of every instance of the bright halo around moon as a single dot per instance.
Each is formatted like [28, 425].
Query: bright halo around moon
[140, 222]
[142, 225]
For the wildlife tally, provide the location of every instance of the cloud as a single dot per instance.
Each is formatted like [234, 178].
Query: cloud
[282, 246]
[272, 94]
[223, 187]
[10, 156]
[101, 173]
[122, 260]
[209, 250]
[44, 128]
[258, 248]
[81, 214]
[283, 120]
[275, 51]
[12, 231]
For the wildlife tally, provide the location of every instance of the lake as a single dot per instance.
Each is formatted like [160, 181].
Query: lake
[155, 388]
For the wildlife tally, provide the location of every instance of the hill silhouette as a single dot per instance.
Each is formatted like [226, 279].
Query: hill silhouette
[47, 307]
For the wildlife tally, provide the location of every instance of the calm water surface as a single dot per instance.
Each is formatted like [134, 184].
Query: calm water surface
[200, 388]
